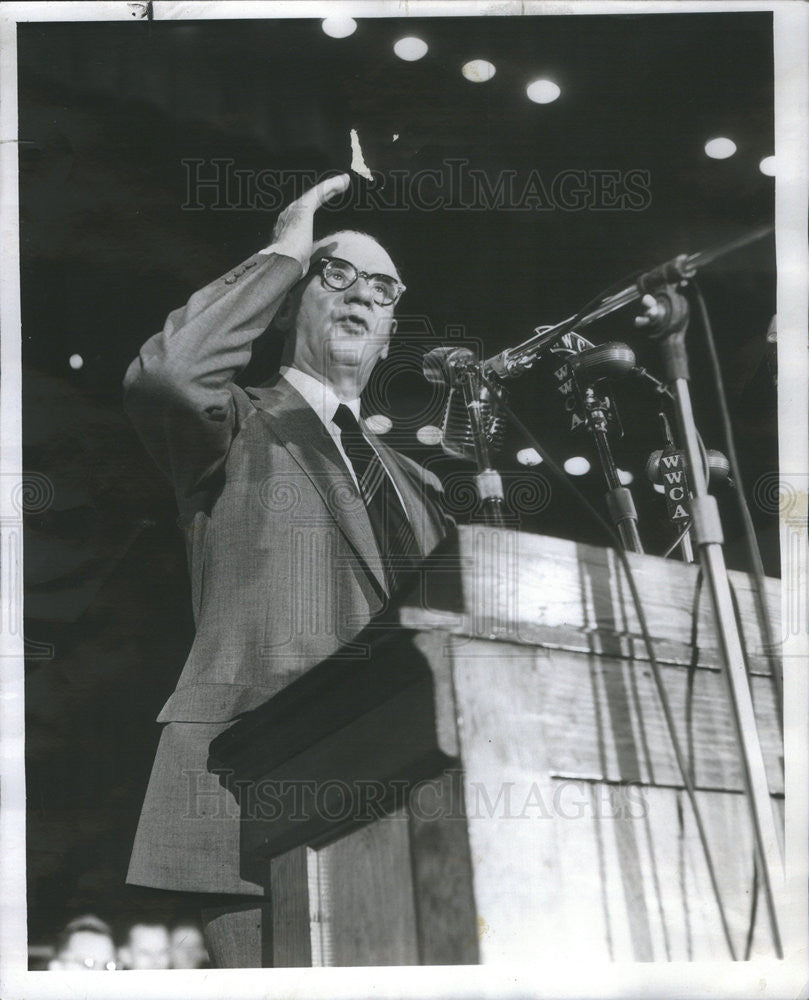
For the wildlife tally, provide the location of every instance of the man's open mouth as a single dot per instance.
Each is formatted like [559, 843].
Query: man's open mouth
[353, 323]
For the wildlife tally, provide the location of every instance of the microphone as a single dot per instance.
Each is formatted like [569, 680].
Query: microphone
[579, 373]
[515, 360]
[718, 468]
[457, 439]
[442, 365]
[611, 360]
[652, 470]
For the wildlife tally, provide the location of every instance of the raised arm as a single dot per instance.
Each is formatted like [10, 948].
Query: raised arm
[179, 390]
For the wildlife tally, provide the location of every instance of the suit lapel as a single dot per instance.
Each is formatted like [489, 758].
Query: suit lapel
[419, 511]
[303, 435]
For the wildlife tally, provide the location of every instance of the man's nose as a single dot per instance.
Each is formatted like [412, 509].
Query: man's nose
[360, 291]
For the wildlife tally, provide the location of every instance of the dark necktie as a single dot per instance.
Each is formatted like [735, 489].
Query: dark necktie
[392, 530]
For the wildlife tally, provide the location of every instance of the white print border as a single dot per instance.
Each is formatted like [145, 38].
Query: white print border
[769, 979]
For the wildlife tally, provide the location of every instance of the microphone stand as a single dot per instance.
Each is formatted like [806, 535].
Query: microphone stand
[456, 367]
[620, 504]
[684, 540]
[588, 368]
[515, 360]
[668, 322]
[489, 482]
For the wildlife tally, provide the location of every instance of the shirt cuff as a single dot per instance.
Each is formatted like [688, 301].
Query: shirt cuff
[286, 250]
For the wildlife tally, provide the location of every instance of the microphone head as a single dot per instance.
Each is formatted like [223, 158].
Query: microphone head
[456, 432]
[718, 468]
[613, 360]
[457, 440]
[653, 466]
[439, 364]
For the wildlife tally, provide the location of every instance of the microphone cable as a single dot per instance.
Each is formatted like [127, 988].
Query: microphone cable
[656, 672]
[689, 729]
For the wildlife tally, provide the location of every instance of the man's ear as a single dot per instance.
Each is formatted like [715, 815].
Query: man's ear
[393, 327]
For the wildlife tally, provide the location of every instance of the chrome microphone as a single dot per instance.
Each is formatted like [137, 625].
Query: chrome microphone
[456, 429]
[442, 365]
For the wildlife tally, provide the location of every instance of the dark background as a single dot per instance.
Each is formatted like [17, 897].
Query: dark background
[108, 113]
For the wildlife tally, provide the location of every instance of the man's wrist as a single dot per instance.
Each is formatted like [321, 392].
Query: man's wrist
[287, 249]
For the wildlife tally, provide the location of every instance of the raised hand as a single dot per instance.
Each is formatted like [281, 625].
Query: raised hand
[294, 225]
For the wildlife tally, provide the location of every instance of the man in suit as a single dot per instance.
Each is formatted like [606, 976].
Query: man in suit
[297, 522]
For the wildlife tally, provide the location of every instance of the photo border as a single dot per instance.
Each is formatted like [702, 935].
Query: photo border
[764, 978]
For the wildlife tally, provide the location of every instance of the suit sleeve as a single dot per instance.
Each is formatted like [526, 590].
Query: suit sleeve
[179, 391]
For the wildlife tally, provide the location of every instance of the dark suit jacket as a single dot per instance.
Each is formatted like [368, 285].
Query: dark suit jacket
[282, 557]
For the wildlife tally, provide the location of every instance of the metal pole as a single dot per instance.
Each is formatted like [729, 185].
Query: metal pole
[489, 483]
[707, 532]
[619, 500]
[515, 360]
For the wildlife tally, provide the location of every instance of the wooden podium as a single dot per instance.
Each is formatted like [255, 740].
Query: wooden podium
[489, 778]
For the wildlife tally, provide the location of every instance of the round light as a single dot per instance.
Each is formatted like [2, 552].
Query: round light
[478, 70]
[720, 148]
[659, 487]
[542, 91]
[624, 477]
[529, 456]
[767, 166]
[410, 49]
[577, 466]
[429, 435]
[339, 27]
[378, 423]
[76, 361]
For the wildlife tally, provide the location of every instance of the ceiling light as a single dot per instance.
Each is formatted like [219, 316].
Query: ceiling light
[339, 27]
[767, 166]
[410, 49]
[478, 70]
[720, 148]
[76, 361]
[542, 91]
[577, 466]
[624, 477]
[529, 456]
[429, 435]
[378, 423]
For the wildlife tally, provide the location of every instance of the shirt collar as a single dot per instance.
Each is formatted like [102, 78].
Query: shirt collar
[318, 395]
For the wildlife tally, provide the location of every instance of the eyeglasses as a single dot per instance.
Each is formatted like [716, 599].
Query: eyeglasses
[339, 274]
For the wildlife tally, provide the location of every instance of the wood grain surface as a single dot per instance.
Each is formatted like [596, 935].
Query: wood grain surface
[547, 817]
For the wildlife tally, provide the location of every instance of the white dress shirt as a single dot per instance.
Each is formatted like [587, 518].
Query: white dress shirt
[324, 402]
